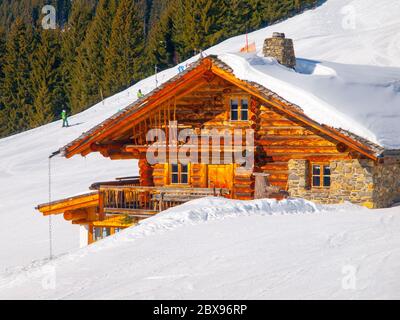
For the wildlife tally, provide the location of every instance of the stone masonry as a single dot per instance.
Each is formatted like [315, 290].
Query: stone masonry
[281, 49]
[361, 182]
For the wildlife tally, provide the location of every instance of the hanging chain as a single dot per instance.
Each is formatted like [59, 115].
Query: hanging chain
[50, 218]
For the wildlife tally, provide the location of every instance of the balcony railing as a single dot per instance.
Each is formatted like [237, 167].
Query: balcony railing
[141, 201]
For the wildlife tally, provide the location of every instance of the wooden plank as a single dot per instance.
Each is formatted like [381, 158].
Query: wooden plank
[132, 212]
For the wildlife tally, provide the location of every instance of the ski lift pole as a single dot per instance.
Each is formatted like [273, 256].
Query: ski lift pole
[156, 73]
[50, 219]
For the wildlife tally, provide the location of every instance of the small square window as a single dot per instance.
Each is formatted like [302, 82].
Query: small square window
[179, 174]
[106, 232]
[184, 178]
[239, 109]
[316, 170]
[316, 181]
[234, 109]
[321, 175]
[244, 110]
[175, 178]
[175, 168]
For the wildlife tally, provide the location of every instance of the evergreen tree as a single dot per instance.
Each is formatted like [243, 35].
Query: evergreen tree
[160, 46]
[46, 80]
[197, 25]
[124, 61]
[157, 9]
[106, 45]
[89, 66]
[3, 119]
[17, 96]
[72, 38]
[2, 58]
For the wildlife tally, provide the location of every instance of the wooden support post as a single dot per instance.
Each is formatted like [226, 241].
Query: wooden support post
[102, 215]
[161, 206]
[145, 171]
[90, 235]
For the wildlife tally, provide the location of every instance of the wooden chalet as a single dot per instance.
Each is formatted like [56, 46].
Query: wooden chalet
[294, 155]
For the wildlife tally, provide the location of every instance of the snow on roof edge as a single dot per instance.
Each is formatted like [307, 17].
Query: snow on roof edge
[378, 149]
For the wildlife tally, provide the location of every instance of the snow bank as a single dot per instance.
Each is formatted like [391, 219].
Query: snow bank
[191, 213]
[212, 209]
[221, 249]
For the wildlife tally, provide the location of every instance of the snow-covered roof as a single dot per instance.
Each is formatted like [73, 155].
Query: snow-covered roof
[361, 100]
[335, 99]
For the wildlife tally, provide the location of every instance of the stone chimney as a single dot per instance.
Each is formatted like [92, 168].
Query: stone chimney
[281, 49]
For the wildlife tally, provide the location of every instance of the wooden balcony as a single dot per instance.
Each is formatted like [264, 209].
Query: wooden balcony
[122, 203]
[142, 202]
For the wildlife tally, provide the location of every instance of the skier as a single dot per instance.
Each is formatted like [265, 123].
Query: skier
[64, 118]
[140, 94]
[181, 69]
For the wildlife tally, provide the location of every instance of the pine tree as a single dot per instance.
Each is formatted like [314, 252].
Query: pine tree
[2, 61]
[157, 9]
[124, 60]
[72, 37]
[89, 66]
[160, 47]
[46, 80]
[197, 25]
[104, 51]
[2, 57]
[17, 96]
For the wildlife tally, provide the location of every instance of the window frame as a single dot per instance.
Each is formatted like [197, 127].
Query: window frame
[321, 175]
[240, 109]
[180, 174]
[100, 233]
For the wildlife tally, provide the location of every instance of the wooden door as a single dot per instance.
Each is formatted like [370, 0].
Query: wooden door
[220, 176]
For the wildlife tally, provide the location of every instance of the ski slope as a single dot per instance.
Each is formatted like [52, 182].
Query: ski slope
[359, 38]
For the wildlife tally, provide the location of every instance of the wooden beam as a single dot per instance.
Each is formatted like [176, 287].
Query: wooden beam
[75, 215]
[70, 204]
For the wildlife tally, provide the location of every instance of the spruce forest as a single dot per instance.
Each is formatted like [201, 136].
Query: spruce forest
[101, 47]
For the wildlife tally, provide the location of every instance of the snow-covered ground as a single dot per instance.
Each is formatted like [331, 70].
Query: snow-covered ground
[224, 249]
[343, 32]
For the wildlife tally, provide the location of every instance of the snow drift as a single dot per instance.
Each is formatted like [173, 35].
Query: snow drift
[223, 249]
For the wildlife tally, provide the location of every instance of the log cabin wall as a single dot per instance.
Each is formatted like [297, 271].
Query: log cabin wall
[207, 108]
[278, 137]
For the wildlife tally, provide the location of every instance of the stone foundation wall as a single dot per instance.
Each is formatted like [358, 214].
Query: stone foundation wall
[359, 181]
[387, 184]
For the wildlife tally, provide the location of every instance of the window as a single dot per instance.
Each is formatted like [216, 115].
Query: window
[179, 174]
[239, 109]
[321, 175]
[244, 110]
[101, 233]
